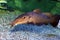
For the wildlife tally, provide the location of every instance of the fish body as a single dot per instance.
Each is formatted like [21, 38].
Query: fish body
[36, 18]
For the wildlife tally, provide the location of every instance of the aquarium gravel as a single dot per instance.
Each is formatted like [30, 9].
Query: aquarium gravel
[26, 31]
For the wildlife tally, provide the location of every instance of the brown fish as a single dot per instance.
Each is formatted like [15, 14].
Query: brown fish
[36, 18]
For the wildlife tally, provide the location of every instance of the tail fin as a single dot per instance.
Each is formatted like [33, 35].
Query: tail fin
[56, 20]
[57, 16]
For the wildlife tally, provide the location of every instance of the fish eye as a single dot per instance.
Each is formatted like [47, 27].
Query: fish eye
[24, 17]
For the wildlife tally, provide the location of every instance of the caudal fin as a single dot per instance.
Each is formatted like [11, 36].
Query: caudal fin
[56, 20]
[57, 16]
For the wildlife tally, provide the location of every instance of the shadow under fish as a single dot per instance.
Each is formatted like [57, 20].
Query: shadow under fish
[43, 29]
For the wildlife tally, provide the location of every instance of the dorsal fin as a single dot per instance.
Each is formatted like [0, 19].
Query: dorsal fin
[37, 11]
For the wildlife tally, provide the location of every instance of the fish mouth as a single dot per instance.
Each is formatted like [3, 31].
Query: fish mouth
[17, 23]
